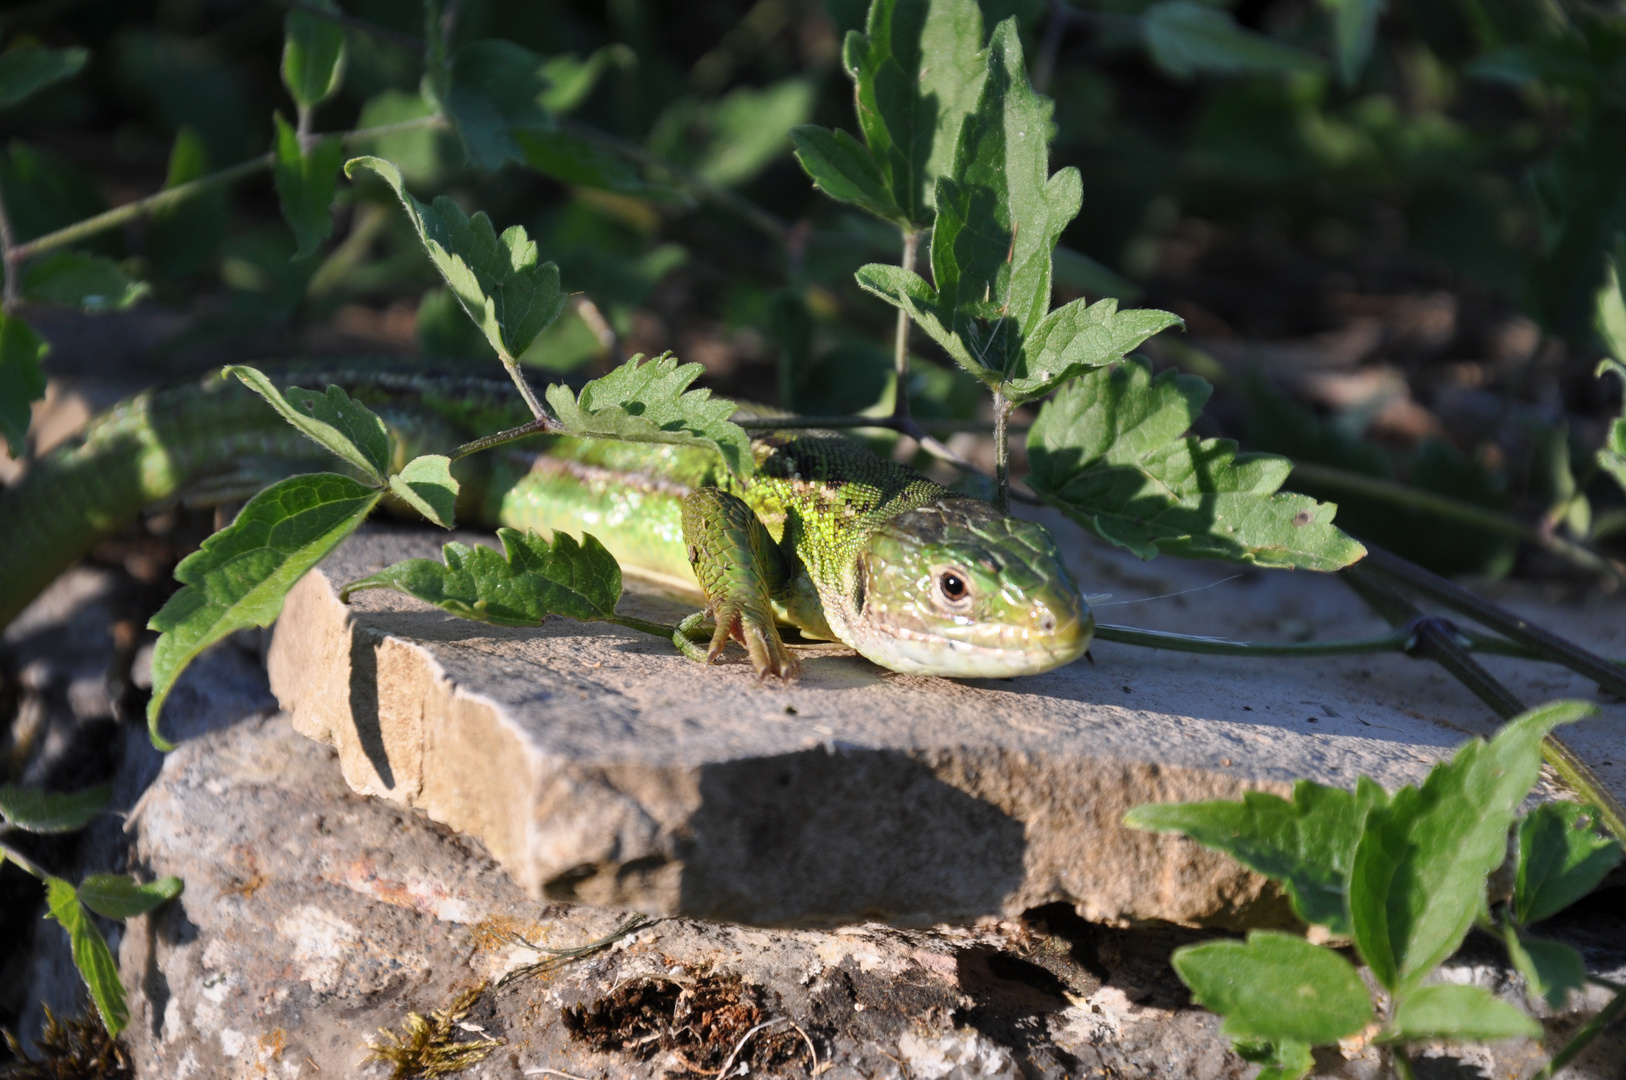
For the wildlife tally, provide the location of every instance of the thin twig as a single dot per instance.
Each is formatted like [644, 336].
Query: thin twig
[900, 341]
[728, 1062]
[1002, 452]
[551, 1072]
[1591, 1030]
[10, 261]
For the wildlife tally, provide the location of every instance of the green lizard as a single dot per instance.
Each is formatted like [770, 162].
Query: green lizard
[825, 537]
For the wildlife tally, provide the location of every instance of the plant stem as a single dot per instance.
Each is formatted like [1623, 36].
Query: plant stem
[10, 262]
[24, 863]
[1591, 1030]
[1002, 453]
[542, 425]
[168, 197]
[1466, 513]
[660, 630]
[1397, 640]
[511, 365]
[900, 340]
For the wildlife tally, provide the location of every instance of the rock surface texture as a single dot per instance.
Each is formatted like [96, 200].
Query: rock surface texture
[598, 765]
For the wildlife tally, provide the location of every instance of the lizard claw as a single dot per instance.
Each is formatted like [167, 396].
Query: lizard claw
[768, 652]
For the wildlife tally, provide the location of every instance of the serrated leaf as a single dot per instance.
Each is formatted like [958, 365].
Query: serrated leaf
[426, 483]
[532, 579]
[495, 87]
[312, 55]
[120, 896]
[1418, 879]
[1551, 969]
[1109, 452]
[918, 68]
[38, 811]
[1078, 337]
[82, 280]
[241, 574]
[1308, 844]
[21, 381]
[1187, 38]
[305, 182]
[508, 294]
[1276, 987]
[1354, 29]
[844, 170]
[27, 68]
[90, 954]
[1561, 859]
[650, 402]
[1611, 456]
[1458, 1014]
[334, 420]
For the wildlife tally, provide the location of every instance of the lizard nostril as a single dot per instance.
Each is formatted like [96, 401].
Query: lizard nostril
[1047, 622]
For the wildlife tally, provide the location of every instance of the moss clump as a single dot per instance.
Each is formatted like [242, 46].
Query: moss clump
[80, 1049]
[428, 1046]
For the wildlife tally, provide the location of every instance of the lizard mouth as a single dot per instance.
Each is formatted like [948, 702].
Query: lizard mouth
[1015, 651]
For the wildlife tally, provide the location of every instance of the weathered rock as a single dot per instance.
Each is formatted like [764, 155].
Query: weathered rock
[598, 765]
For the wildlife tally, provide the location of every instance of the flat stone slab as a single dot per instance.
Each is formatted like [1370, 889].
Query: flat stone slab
[598, 765]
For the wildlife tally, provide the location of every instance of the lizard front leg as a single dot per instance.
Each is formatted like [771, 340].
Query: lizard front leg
[740, 570]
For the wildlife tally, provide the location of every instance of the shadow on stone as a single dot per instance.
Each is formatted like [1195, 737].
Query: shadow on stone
[364, 701]
[834, 835]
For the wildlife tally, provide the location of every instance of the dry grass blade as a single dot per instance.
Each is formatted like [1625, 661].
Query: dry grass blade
[557, 958]
[428, 1047]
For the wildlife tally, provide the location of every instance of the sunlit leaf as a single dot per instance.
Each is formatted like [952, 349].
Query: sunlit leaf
[82, 280]
[532, 579]
[426, 483]
[312, 55]
[498, 280]
[749, 128]
[1110, 451]
[1307, 844]
[1458, 1014]
[651, 402]
[1562, 857]
[844, 170]
[242, 573]
[120, 896]
[1551, 969]
[35, 810]
[27, 68]
[1418, 880]
[1612, 455]
[21, 381]
[90, 954]
[334, 419]
[1079, 337]
[305, 180]
[1276, 987]
[1188, 38]
[570, 80]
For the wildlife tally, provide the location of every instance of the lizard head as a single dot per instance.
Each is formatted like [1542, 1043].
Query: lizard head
[956, 588]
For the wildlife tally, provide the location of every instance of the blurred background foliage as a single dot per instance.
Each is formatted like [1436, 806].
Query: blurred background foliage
[1384, 223]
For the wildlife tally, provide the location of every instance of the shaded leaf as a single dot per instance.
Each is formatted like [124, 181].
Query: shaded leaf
[39, 811]
[424, 154]
[1110, 452]
[844, 170]
[750, 128]
[567, 156]
[312, 55]
[650, 402]
[185, 237]
[82, 280]
[495, 86]
[426, 483]
[1276, 987]
[25, 69]
[305, 183]
[498, 280]
[241, 574]
[570, 80]
[334, 419]
[21, 381]
[1354, 29]
[1551, 969]
[1282, 1060]
[1187, 38]
[1308, 844]
[120, 896]
[1458, 1014]
[532, 579]
[1612, 455]
[1561, 859]
[1418, 879]
[90, 954]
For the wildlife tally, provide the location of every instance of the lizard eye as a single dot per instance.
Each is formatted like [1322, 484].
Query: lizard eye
[953, 591]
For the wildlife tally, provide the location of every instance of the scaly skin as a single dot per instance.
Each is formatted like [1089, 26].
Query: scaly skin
[838, 542]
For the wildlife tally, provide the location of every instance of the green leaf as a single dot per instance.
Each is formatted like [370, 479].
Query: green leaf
[844, 170]
[1308, 844]
[80, 279]
[749, 127]
[1418, 879]
[426, 483]
[1277, 987]
[425, 154]
[919, 68]
[1080, 337]
[570, 80]
[90, 954]
[1458, 1014]
[120, 896]
[335, 420]
[28, 68]
[1282, 1060]
[1187, 38]
[1612, 455]
[21, 381]
[1561, 859]
[650, 402]
[242, 573]
[184, 238]
[531, 580]
[1354, 29]
[305, 184]
[1610, 317]
[498, 280]
[1110, 453]
[312, 55]
[1551, 969]
[34, 810]
[495, 89]
[572, 159]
